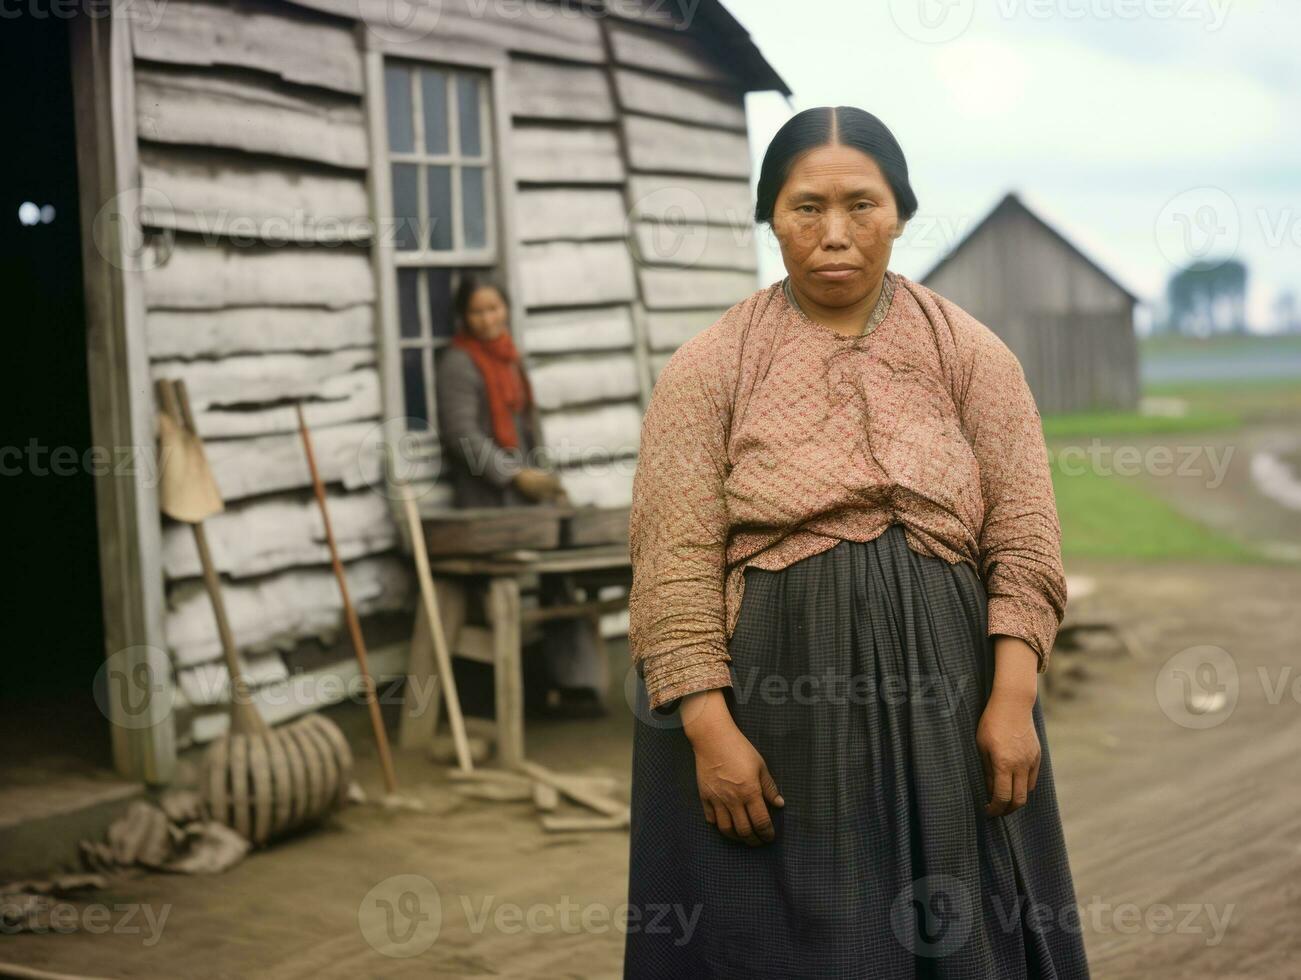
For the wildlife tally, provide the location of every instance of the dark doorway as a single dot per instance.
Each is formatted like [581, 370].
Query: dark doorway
[54, 628]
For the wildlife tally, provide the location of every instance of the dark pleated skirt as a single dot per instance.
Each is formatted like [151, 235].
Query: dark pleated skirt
[859, 674]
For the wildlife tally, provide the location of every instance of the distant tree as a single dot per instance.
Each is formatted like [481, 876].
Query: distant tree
[1208, 298]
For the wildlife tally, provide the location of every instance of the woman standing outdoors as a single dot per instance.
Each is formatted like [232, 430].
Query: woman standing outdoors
[847, 574]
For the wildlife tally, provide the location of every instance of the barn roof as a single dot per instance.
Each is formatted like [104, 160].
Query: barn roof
[1012, 203]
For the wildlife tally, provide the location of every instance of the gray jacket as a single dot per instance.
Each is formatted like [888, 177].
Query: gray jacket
[481, 470]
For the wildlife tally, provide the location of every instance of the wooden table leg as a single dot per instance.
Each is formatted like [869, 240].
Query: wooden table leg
[423, 699]
[508, 676]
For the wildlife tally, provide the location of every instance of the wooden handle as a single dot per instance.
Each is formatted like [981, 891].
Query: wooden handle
[244, 716]
[350, 614]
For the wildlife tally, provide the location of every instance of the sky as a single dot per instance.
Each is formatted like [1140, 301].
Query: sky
[1152, 133]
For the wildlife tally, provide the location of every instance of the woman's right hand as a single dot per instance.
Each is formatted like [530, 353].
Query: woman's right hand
[732, 778]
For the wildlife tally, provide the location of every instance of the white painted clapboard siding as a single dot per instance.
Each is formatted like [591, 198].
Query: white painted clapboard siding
[254, 379]
[269, 534]
[351, 397]
[664, 146]
[219, 192]
[198, 276]
[548, 90]
[207, 108]
[187, 334]
[269, 37]
[277, 611]
[208, 684]
[574, 273]
[600, 484]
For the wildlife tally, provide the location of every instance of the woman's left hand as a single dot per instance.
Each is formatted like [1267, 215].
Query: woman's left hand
[1009, 749]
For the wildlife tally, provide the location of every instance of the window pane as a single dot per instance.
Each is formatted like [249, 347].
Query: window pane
[413, 387]
[409, 302]
[406, 205]
[440, 303]
[440, 207]
[397, 95]
[467, 115]
[473, 208]
[433, 98]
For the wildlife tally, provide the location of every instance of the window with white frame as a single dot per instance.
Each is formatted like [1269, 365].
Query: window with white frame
[443, 203]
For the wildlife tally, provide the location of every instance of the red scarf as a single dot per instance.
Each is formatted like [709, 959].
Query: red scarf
[503, 376]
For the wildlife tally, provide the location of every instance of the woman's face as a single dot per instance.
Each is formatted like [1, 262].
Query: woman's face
[836, 221]
[486, 315]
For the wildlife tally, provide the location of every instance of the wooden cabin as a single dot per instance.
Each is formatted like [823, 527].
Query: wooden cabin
[292, 189]
[1068, 321]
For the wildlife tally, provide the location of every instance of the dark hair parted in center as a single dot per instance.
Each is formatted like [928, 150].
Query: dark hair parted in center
[824, 126]
[471, 283]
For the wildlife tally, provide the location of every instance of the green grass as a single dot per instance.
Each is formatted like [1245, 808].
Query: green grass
[1086, 425]
[1266, 400]
[1109, 517]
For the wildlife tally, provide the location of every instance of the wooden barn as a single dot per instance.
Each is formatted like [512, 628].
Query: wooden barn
[276, 200]
[1067, 320]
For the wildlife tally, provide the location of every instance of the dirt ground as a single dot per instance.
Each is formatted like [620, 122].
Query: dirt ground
[1184, 829]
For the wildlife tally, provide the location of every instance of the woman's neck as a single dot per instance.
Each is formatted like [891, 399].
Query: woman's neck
[848, 320]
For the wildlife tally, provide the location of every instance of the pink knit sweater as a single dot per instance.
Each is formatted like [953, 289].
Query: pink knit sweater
[770, 437]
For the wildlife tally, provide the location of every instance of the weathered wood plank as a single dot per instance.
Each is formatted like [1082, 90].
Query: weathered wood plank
[537, 27]
[684, 289]
[670, 147]
[669, 331]
[664, 197]
[600, 483]
[231, 194]
[269, 534]
[197, 277]
[269, 37]
[547, 90]
[569, 214]
[569, 273]
[563, 331]
[350, 397]
[280, 610]
[259, 379]
[208, 684]
[695, 246]
[604, 431]
[548, 154]
[256, 329]
[204, 108]
[583, 379]
[348, 454]
[690, 101]
[669, 52]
